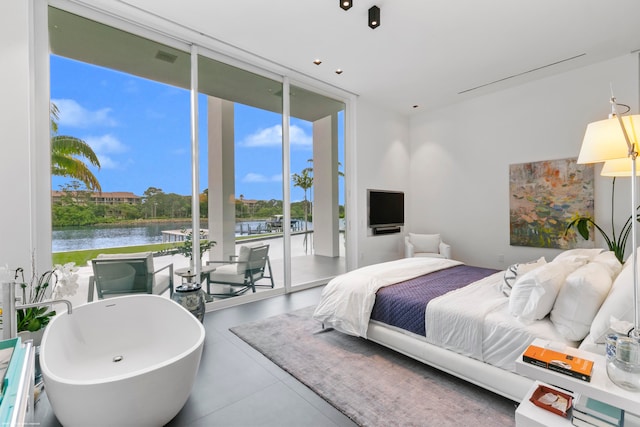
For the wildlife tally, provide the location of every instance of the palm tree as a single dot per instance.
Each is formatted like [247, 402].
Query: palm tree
[64, 150]
[304, 181]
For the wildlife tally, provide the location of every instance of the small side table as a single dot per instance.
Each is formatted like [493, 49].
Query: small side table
[529, 415]
[190, 294]
[187, 272]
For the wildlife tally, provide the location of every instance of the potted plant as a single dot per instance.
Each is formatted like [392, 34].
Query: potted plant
[616, 243]
[186, 248]
[56, 283]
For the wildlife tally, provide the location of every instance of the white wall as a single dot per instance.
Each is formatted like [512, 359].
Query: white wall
[460, 156]
[382, 156]
[20, 233]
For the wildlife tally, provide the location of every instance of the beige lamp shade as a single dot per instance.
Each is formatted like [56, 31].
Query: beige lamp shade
[619, 167]
[604, 139]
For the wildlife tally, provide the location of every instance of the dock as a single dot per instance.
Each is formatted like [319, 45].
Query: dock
[180, 235]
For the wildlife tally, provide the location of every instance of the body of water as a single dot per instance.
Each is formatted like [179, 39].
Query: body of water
[113, 236]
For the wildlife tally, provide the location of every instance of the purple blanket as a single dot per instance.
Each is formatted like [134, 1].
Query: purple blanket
[403, 305]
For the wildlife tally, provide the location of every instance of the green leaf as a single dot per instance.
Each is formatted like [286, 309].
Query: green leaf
[583, 228]
[34, 325]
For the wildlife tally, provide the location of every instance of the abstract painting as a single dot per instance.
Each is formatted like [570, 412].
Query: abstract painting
[544, 197]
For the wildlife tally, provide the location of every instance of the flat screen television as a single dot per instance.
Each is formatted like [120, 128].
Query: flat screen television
[385, 208]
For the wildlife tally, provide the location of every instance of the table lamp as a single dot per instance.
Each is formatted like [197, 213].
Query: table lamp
[615, 142]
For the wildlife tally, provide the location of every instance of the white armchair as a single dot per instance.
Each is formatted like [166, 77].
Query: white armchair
[425, 245]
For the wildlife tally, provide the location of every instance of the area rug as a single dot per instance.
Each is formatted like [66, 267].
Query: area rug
[372, 385]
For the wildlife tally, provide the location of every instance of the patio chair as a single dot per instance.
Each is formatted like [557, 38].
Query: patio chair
[122, 274]
[242, 271]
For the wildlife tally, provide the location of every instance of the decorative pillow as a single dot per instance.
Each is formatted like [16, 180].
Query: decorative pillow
[511, 274]
[581, 252]
[425, 242]
[534, 293]
[619, 304]
[580, 298]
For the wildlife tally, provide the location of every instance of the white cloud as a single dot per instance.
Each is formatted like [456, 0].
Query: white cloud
[73, 114]
[297, 136]
[257, 177]
[272, 137]
[105, 146]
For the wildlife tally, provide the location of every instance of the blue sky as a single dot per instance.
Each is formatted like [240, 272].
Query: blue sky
[140, 131]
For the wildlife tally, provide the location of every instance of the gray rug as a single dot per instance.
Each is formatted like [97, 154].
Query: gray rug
[370, 384]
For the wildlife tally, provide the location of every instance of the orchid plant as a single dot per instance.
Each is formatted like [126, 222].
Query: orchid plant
[57, 283]
[617, 242]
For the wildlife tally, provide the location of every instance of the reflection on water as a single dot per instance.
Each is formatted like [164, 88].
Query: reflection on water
[114, 236]
[105, 236]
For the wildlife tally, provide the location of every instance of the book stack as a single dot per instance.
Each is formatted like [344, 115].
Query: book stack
[589, 412]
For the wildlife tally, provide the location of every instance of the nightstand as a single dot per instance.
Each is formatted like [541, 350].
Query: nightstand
[599, 388]
[529, 415]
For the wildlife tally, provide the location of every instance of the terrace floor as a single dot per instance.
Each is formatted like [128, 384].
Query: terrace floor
[306, 269]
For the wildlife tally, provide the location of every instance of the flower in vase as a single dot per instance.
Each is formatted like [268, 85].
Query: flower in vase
[56, 283]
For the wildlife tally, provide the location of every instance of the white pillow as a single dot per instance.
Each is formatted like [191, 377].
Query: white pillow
[514, 271]
[589, 253]
[533, 294]
[425, 242]
[619, 304]
[579, 299]
[609, 259]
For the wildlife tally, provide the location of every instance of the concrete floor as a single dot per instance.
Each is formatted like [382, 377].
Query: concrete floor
[236, 385]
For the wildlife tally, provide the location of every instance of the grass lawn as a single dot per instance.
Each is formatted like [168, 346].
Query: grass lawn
[82, 257]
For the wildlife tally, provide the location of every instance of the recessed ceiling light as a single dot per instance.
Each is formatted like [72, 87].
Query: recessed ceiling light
[317, 62]
[416, 106]
[338, 71]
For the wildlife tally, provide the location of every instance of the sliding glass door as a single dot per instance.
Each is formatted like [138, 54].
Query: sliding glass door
[127, 98]
[241, 129]
[317, 202]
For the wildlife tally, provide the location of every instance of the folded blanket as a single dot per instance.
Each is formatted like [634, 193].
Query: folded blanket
[348, 299]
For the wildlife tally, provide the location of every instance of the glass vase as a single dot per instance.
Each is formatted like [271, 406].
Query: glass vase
[624, 369]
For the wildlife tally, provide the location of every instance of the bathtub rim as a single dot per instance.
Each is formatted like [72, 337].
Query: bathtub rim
[46, 372]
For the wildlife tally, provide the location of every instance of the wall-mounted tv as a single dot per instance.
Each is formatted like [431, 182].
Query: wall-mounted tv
[385, 208]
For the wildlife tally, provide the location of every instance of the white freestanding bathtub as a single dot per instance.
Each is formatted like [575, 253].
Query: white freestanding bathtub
[128, 360]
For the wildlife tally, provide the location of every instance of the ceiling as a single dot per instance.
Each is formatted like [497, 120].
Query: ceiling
[426, 53]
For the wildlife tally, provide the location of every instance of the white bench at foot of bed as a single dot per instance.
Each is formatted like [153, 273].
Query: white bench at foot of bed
[506, 383]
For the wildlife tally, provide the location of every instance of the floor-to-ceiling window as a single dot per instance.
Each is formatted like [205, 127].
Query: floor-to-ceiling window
[127, 97]
[241, 124]
[317, 202]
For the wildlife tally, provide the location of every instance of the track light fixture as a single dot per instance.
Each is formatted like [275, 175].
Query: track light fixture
[346, 4]
[374, 17]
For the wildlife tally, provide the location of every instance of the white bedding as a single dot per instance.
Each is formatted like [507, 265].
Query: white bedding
[455, 320]
[348, 299]
[473, 321]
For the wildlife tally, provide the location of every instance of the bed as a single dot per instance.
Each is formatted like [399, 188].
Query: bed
[474, 322]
